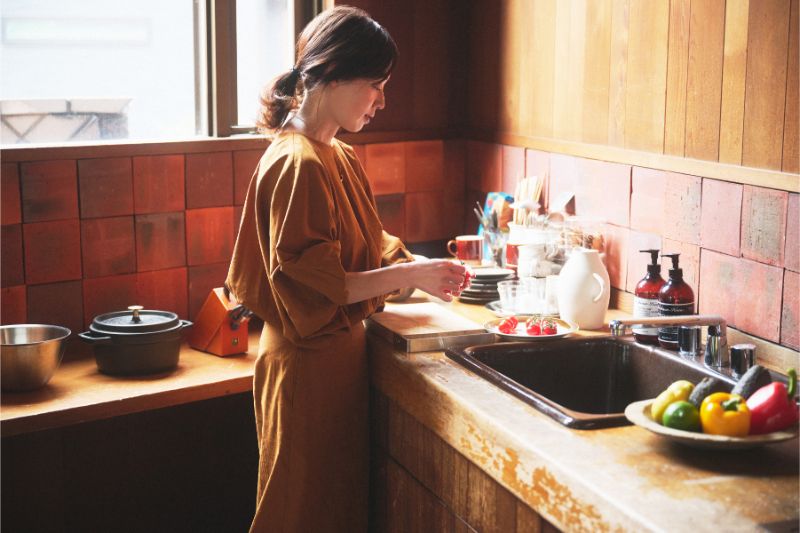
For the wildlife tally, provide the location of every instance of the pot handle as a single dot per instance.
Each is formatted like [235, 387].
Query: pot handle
[186, 323]
[91, 339]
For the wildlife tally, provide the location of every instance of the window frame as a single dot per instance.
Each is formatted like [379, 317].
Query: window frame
[223, 113]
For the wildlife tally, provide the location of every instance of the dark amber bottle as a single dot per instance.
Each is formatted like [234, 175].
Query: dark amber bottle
[675, 298]
[645, 300]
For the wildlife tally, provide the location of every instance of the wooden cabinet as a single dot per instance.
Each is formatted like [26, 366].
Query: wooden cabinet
[421, 483]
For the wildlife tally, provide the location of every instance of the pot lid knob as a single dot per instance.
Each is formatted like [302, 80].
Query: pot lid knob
[135, 309]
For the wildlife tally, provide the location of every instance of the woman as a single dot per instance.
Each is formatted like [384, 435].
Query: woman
[312, 260]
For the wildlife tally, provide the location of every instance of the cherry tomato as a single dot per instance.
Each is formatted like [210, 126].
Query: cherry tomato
[508, 325]
[533, 329]
[513, 320]
[549, 328]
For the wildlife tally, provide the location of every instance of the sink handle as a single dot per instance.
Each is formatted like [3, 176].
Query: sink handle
[602, 286]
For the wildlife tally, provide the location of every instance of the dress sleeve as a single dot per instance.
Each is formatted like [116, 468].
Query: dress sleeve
[306, 273]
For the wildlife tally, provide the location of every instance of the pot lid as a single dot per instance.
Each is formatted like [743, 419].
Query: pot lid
[135, 320]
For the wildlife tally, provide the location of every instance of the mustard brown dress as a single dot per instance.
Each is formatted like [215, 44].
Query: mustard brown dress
[309, 218]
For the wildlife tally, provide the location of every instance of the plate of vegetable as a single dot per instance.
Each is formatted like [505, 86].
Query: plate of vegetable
[706, 416]
[531, 327]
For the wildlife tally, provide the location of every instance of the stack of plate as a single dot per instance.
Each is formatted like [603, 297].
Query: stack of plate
[483, 287]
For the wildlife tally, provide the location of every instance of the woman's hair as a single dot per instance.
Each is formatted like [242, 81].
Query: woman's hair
[340, 44]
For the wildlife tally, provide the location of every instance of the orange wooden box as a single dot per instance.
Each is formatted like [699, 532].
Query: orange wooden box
[214, 329]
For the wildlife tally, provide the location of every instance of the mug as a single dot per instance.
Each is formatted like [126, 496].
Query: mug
[467, 248]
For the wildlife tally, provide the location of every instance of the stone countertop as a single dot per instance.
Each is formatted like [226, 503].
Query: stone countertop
[623, 478]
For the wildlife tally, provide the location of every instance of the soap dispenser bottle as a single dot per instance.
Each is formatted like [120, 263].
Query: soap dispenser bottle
[674, 298]
[645, 300]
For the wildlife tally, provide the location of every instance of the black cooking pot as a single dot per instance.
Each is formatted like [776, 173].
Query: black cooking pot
[136, 341]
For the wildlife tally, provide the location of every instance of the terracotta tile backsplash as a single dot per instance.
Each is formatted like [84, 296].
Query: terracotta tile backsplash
[106, 187]
[89, 236]
[209, 179]
[9, 194]
[49, 190]
[158, 184]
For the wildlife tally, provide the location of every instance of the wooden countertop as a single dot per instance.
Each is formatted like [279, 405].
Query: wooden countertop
[79, 393]
[623, 478]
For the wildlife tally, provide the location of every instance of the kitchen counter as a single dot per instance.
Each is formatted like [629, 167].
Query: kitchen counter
[623, 478]
[78, 392]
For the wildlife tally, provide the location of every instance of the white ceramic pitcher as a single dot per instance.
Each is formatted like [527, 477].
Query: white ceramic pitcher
[584, 289]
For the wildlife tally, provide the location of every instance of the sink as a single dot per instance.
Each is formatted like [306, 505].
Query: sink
[581, 383]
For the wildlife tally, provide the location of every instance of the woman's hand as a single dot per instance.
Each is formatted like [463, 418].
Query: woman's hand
[438, 277]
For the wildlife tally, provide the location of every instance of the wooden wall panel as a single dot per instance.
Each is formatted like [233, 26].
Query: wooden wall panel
[484, 61]
[704, 79]
[541, 68]
[597, 71]
[734, 70]
[618, 77]
[562, 104]
[431, 64]
[677, 72]
[765, 89]
[791, 130]
[511, 65]
[647, 75]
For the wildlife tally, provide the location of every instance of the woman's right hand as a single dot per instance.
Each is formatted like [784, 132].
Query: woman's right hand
[438, 277]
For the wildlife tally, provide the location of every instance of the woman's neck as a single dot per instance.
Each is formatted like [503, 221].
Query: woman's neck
[312, 121]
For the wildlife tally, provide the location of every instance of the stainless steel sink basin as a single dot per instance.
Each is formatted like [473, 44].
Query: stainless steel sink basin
[581, 383]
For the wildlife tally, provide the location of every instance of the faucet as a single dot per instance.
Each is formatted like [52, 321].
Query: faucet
[716, 352]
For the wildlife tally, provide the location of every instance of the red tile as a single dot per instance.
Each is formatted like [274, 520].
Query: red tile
[690, 262]
[386, 168]
[484, 169]
[682, 207]
[158, 184]
[790, 315]
[470, 225]
[107, 295]
[52, 251]
[637, 261]
[537, 163]
[764, 224]
[744, 292]
[563, 179]
[14, 309]
[160, 241]
[57, 303]
[108, 246]
[720, 216]
[513, 167]
[49, 190]
[164, 290]
[791, 255]
[209, 235]
[454, 166]
[424, 166]
[391, 209]
[604, 191]
[454, 208]
[106, 187]
[244, 165]
[12, 210]
[12, 270]
[425, 217]
[617, 254]
[648, 191]
[202, 279]
[209, 179]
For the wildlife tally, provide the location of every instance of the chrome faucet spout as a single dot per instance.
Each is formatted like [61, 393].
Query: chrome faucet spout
[716, 354]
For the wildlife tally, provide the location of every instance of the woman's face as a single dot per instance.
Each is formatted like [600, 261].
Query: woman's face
[353, 103]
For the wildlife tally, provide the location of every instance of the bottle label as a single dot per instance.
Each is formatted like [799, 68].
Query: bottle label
[670, 334]
[644, 307]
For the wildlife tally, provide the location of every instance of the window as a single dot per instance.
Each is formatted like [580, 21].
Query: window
[115, 69]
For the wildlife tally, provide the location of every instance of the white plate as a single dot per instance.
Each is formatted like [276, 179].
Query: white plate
[639, 414]
[498, 310]
[485, 273]
[563, 327]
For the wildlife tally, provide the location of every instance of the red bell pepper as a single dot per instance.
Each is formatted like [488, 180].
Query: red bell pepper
[772, 407]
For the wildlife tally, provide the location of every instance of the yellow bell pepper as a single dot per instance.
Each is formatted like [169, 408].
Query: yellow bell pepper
[679, 390]
[726, 414]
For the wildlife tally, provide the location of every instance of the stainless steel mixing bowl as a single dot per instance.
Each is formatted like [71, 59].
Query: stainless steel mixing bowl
[29, 355]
